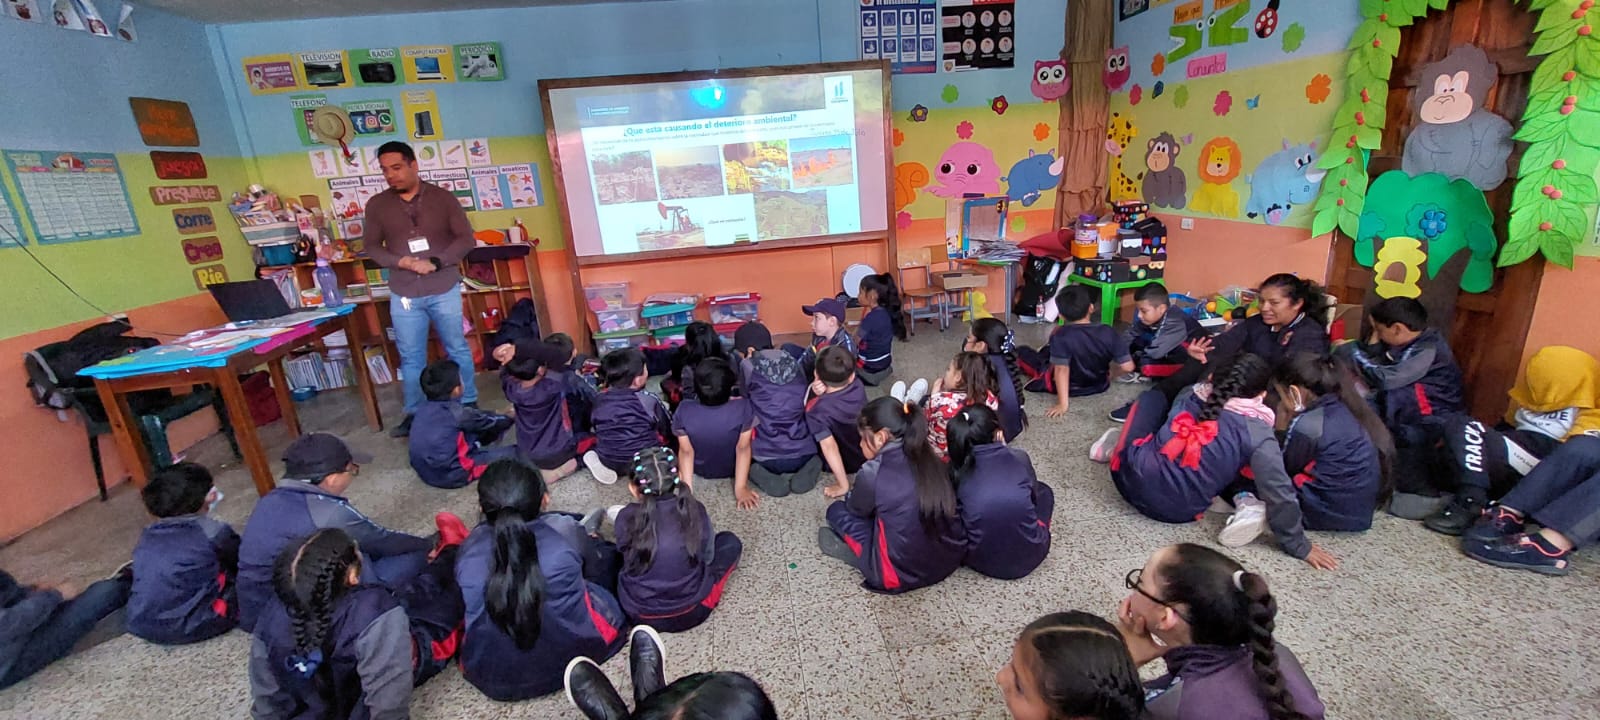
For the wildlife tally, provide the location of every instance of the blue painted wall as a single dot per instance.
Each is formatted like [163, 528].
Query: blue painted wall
[1327, 26]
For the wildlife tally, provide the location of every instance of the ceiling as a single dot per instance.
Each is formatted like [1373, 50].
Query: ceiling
[238, 11]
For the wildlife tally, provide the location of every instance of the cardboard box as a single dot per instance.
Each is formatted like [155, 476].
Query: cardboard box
[961, 280]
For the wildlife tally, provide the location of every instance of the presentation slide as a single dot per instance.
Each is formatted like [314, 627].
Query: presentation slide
[722, 161]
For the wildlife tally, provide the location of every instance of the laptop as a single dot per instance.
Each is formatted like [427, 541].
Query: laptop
[249, 300]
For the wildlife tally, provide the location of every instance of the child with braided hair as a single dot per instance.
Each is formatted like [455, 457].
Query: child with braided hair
[674, 564]
[1217, 441]
[1211, 621]
[1071, 665]
[995, 341]
[328, 645]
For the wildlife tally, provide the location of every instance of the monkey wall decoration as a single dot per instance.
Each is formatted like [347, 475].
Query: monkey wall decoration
[1164, 182]
[1456, 137]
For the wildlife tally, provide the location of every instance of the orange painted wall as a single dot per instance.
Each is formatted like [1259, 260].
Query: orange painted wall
[44, 463]
[1561, 315]
[1218, 253]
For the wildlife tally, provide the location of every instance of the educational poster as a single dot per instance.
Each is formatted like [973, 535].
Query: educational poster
[456, 182]
[522, 184]
[427, 155]
[375, 66]
[905, 32]
[92, 21]
[371, 118]
[66, 16]
[421, 110]
[24, 10]
[325, 162]
[72, 196]
[324, 69]
[10, 233]
[270, 74]
[428, 64]
[979, 34]
[480, 62]
[478, 152]
[304, 106]
[486, 188]
[452, 154]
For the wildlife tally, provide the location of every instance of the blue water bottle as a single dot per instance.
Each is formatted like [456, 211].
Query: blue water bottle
[328, 283]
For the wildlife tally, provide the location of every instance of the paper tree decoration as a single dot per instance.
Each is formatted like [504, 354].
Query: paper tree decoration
[1424, 237]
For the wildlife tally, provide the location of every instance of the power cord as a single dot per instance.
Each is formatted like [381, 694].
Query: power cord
[23, 245]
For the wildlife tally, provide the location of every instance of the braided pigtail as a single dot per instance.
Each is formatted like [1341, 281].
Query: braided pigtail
[309, 578]
[1243, 376]
[1082, 667]
[999, 340]
[1263, 613]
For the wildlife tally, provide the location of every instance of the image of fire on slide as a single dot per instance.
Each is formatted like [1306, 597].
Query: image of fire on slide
[756, 166]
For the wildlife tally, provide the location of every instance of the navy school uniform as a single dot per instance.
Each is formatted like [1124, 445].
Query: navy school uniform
[676, 592]
[1170, 466]
[835, 415]
[580, 616]
[714, 432]
[808, 355]
[1006, 513]
[1334, 466]
[184, 581]
[1013, 419]
[1159, 349]
[881, 521]
[1087, 351]
[1219, 681]
[777, 392]
[544, 425]
[446, 439]
[627, 421]
[1417, 388]
[1253, 335]
[876, 342]
[580, 395]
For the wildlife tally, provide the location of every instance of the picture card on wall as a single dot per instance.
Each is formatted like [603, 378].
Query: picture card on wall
[371, 117]
[24, 10]
[125, 29]
[325, 163]
[478, 152]
[486, 188]
[304, 107]
[270, 74]
[522, 182]
[453, 153]
[978, 34]
[421, 110]
[324, 69]
[456, 182]
[369, 160]
[904, 32]
[428, 64]
[479, 62]
[428, 157]
[375, 66]
[92, 21]
[66, 16]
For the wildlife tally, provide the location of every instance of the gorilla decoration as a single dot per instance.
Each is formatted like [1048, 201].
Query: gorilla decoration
[1457, 137]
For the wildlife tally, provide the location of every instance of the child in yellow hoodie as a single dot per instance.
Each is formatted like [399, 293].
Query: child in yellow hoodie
[1557, 398]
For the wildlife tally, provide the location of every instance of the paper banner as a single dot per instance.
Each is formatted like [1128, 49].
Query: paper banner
[202, 249]
[324, 69]
[304, 106]
[184, 194]
[480, 62]
[174, 165]
[421, 109]
[164, 122]
[24, 10]
[193, 221]
[371, 118]
[125, 28]
[66, 16]
[478, 152]
[428, 64]
[375, 66]
[453, 154]
[210, 275]
[270, 74]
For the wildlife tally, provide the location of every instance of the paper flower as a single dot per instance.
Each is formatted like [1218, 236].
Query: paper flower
[999, 105]
[950, 94]
[1223, 103]
[1180, 96]
[1157, 89]
[1018, 223]
[964, 130]
[1158, 64]
[902, 220]
[1135, 95]
[1318, 90]
[1041, 131]
[1433, 224]
[899, 137]
[919, 113]
[1293, 36]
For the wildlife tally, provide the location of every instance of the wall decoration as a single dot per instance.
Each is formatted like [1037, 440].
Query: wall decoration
[125, 29]
[1293, 37]
[164, 122]
[270, 74]
[1120, 132]
[1135, 95]
[1267, 20]
[1165, 185]
[184, 194]
[949, 94]
[1285, 179]
[1129, 8]
[331, 125]
[897, 137]
[1318, 90]
[919, 113]
[966, 168]
[202, 249]
[92, 21]
[1158, 64]
[1188, 29]
[375, 66]
[478, 152]
[326, 69]
[1180, 96]
[908, 178]
[305, 108]
[370, 118]
[978, 34]
[1220, 164]
[480, 62]
[1425, 237]
[1457, 137]
[421, 111]
[1116, 71]
[904, 32]
[24, 10]
[66, 16]
[428, 64]
[1222, 104]
[1032, 175]
[177, 165]
[1252, 102]
[1214, 64]
[193, 221]
[964, 130]
[72, 196]
[210, 275]
[1050, 82]
[1041, 131]
[10, 232]
[999, 105]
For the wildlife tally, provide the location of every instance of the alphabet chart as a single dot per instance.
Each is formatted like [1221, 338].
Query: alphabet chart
[72, 195]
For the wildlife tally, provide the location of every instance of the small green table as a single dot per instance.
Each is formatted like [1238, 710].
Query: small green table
[1108, 293]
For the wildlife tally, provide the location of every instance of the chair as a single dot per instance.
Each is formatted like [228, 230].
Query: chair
[154, 409]
[925, 302]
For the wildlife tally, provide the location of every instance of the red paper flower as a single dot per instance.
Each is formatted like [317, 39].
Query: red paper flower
[964, 130]
[1041, 131]
[902, 220]
[1223, 104]
[1135, 95]
[999, 105]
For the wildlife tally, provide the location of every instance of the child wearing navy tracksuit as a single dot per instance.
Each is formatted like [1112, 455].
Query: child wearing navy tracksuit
[831, 414]
[674, 564]
[540, 407]
[186, 564]
[881, 325]
[715, 431]
[627, 419]
[328, 645]
[1169, 467]
[995, 341]
[517, 644]
[569, 374]
[785, 455]
[1336, 450]
[450, 442]
[1004, 508]
[1082, 351]
[827, 330]
[1157, 336]
[899, 525]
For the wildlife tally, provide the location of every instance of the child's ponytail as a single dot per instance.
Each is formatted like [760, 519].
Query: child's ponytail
[974, 426]
[888, 294]
[309, 578]
[999, 340]
[1243, 376]
[511, 495]
[655, 475]
[908, 423]
[1322, 375]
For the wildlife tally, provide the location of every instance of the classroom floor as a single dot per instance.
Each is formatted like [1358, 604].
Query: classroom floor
[1407, 628]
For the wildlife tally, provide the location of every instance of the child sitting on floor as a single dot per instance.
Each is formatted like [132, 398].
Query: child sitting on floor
[827, 330]
[899, 525]
[715, 430]
[1071, 665]
[674, 563]
[1157, 336]
[627, 419]
[836, 401]
[1082, 351]
[575, 373]
[968, 380]
[992, 339]
[186, 565]
[450, 441]
[700, 343]
[1005, 509]
[785, 455]
[540, 407]
[41, 623]
[881, 325]
[1562, 495]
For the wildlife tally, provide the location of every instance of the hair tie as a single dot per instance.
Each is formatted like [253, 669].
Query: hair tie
[1010, 343]
[905, 406]
[1238, 580]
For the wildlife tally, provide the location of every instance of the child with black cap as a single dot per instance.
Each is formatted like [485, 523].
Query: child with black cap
[785, 455]
[539, 403]
[317, 469]
[451, 442]
[827, 330]
[186, 563]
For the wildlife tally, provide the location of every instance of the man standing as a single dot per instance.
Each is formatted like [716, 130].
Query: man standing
[419, 231]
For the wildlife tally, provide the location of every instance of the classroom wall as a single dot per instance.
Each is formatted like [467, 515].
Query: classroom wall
[1559, 315]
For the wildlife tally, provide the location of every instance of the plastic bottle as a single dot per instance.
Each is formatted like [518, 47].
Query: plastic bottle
[517, 234]
[328, 283]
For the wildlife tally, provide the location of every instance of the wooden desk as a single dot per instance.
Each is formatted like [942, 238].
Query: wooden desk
[125, 427]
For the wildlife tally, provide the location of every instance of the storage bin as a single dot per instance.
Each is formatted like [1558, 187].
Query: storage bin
[670, 335]
[619, 319]
[606, 296]
[735, 308]
[277, 255]
[276, 233]
[666, 316]
[607, 342]
[726, 331]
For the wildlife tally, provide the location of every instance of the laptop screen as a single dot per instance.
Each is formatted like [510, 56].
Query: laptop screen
[249, 300]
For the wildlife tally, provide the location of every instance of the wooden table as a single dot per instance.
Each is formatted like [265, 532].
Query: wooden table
[124, 426]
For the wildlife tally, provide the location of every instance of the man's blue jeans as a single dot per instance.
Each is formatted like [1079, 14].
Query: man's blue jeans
[412, 316]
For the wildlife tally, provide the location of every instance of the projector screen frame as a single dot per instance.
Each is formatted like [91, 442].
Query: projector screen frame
[576, 262]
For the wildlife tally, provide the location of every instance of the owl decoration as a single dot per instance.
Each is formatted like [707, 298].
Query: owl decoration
[1117, 72]
[1050, 81]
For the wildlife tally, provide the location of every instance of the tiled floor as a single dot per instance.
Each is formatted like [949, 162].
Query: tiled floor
[1408, 628]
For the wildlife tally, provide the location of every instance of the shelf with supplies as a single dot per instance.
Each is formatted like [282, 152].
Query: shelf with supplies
[493, 280]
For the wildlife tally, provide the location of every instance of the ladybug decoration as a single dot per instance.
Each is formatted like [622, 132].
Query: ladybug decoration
[1267, 21]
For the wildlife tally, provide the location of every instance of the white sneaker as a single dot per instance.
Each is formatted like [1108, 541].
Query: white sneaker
[1101, 450]
[605, 475]
[1218, 505]
[917, 392]
[1132, 378]
[612, 512]
[898, 390]
[1246, 524]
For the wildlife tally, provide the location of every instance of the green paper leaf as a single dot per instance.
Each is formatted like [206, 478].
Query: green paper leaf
[1548, 74]
[1411, 9]
[1539, 128]
[1558, 249]
[1540, 155]
[1558, 20]
[1364, 33]
[1334, 159]
[1438, 4]
[1350, 222]
[1369, 137]
[1546, 102]
[1523, 227]
[1536, 5]
[1574, 222]
[1516, 251]
[1586, 57]
[1373, 8]
[1583, 126]
[1389, 38]
[1324, 222]
[1379, 62]
[1551, 41]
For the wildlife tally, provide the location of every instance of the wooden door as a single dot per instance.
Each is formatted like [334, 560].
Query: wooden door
[1490, 327]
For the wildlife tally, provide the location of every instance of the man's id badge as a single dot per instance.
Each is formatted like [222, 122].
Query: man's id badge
[418, 244]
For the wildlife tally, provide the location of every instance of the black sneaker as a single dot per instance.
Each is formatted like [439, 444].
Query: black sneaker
[647, 662]
[1456, 516]
[589, 690]
[1493, 524]
[403, 429]
[473, 404]
[1120, 415]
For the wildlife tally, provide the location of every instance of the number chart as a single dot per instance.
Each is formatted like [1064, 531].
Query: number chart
[72, 196]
